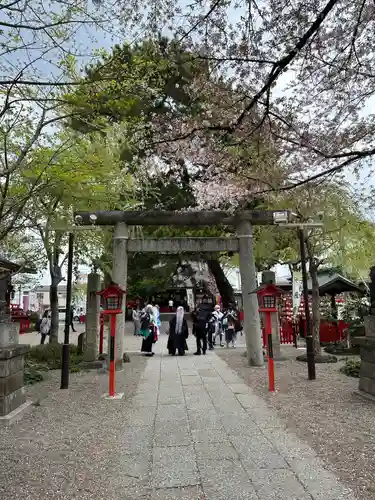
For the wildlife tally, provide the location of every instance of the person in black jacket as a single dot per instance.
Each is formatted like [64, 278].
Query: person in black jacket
[202, 315]
[178, 333]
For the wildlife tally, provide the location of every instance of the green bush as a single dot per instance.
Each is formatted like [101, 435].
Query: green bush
[351, 368]
[50, 355]
[34, 316]
[34, 372]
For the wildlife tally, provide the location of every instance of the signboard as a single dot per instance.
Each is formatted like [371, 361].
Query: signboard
[190, 298]
[297, 291]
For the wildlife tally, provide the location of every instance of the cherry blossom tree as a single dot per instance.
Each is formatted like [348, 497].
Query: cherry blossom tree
[303, 72]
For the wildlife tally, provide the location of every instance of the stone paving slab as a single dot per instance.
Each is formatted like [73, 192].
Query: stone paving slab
[216, 451]
[225, 479]
[213, 438]
[174, 466]
[185, 493]
[191, 380]
[176, 435]
[276, 484]
[136, 440]
[171, 412]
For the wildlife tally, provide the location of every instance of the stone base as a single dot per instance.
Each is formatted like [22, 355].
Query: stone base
[15, 415]
[9, 334]
[369, 322]
[319, 358]
[364, 395]
[119, 365]
[280, 358]
[12, 392]
[367, 372]
[92, 365]
[118, 395]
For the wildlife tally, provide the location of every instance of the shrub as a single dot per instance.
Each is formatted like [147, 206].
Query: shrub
[34, 372]
[351, 368]
[34, 316]
[50, 355]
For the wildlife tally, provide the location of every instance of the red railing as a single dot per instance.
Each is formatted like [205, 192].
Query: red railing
[329, 332]
[18, 316]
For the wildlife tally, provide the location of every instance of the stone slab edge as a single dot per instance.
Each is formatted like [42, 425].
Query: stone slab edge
[364, 395]
[12, 351]
[16, 415]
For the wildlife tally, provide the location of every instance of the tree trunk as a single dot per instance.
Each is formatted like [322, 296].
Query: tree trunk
[54, 303]
[225, 288]
[315, 303]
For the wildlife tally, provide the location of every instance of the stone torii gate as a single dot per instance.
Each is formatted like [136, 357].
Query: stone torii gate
[242, 243]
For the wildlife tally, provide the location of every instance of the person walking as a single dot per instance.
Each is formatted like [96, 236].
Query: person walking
[217, 316]
[170, 304]
[148, 330]
[231, 320]
[157, 318]
[201, 325]
[72, 319]
[137, 321]
[45, 327]
[178, 333]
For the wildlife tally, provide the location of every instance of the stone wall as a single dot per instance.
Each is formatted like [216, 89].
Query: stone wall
[12, 392]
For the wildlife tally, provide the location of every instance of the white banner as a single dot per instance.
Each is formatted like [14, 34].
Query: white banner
[297, 291]
[190, 298]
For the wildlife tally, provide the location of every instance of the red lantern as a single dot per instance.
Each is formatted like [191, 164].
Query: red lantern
[111, 298]
[268, 296]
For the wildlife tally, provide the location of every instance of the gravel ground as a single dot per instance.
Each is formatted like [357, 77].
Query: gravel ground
[65, 447]
[325, 413]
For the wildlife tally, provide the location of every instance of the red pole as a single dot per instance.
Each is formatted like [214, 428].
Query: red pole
[101, 334]
[271, 366]
[112, 356]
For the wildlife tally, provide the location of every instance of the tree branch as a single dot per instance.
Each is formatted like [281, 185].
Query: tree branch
[282, 64]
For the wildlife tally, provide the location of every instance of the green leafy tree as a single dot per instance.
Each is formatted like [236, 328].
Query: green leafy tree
[86, 176]
[337, 243]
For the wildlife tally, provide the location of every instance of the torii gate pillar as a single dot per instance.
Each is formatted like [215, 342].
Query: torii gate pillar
[120, 276]
[249, 298]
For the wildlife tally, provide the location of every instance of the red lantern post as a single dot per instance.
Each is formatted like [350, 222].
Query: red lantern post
[101, 332]
[112, 304]
[267, 300]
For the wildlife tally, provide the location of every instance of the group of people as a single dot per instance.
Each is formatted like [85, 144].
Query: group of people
[209, 327]
[147, 325]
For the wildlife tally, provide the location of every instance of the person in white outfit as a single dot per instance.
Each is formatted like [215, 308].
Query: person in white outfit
[137, 321]
[217, 317]
[45, 327]
[157, 319]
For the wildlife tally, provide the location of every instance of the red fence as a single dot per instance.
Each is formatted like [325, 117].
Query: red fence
[329, 332]
[24, 322]
[18, 316]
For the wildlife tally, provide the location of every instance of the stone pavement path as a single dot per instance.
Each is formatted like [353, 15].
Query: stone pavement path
[198, 432]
